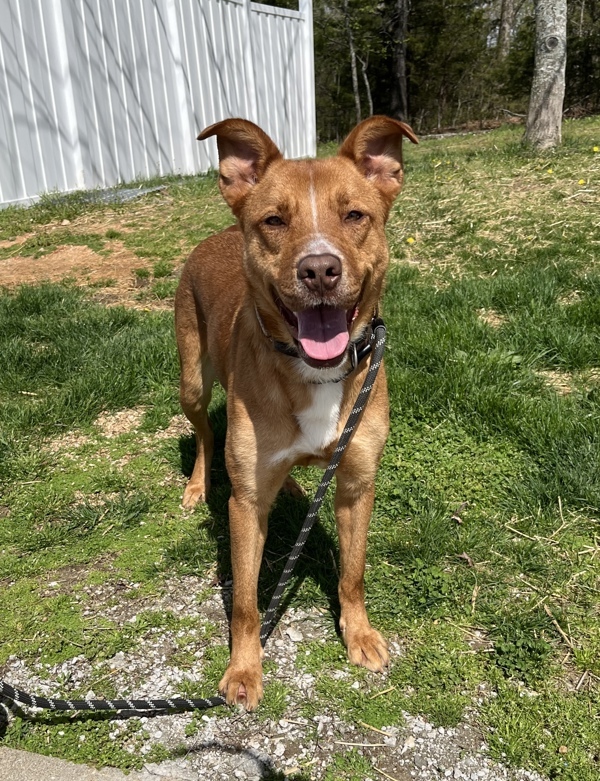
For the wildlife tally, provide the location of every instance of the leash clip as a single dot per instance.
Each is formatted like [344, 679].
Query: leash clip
[353, 356]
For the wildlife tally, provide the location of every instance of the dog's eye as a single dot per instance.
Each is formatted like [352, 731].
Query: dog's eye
[274, 220]
[354, 216]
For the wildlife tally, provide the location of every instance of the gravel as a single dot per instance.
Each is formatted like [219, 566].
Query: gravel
[246, 746]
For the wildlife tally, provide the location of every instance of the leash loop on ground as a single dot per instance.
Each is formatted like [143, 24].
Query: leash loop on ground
[377, 347]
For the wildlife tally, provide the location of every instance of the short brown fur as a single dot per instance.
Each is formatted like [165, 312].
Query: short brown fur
[230, 305]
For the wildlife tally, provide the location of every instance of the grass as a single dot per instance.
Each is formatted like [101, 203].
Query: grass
[484, 557]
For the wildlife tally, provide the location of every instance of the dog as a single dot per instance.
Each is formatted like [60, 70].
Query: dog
[274, 308]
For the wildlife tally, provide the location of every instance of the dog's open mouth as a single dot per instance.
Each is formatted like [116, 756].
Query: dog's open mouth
[321, 333]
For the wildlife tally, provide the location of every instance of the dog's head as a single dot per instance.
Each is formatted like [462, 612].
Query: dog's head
[314, 230]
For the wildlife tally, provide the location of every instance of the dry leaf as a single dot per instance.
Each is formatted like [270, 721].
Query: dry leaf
[467, 558]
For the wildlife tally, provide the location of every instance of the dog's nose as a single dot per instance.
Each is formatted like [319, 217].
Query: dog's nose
[320, 273]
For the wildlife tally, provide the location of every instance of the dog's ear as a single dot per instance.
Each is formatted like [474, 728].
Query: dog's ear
[375, 147]
[245, 153]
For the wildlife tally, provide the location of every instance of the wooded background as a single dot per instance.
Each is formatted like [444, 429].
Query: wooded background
[440, 64]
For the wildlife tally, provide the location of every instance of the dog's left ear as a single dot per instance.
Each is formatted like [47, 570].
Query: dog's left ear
[245, 153]
[375, 147]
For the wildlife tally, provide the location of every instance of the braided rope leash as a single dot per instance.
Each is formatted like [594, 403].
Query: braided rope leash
[270, 618]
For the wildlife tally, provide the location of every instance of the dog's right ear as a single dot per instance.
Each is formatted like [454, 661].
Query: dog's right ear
[245, 153]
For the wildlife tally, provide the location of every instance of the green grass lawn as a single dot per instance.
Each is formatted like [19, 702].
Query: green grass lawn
[484, 557]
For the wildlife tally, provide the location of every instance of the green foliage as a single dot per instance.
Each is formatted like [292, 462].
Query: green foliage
[426, 587]
[455, 74]
[165, 288]
[547, 731]
[63, 361]
[351, 766]
[519, 649]
[88, 741]
[52, 207]
[447, 54]
[162, 268]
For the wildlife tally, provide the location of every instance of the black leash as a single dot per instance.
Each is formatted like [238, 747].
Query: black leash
[376, 348]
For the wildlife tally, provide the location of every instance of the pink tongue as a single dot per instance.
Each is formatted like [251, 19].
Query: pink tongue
[323, 332]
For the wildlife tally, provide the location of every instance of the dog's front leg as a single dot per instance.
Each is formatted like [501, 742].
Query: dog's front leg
[253, 492]
[353, 506]
[242, 682]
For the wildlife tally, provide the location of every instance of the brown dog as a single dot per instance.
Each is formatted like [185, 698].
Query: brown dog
[274, 308]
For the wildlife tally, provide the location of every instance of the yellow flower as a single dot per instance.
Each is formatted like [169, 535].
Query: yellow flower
[581, 181]
[550, 171]
[410, 240]
[596, 149]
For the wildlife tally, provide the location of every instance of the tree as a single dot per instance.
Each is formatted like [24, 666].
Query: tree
[399, 89]
[352, 53]
[507, 14]
[548, 88]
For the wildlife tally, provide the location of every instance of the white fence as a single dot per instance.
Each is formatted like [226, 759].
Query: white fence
[97, 92]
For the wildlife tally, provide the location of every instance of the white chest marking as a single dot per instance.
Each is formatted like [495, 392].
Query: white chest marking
[318, 423]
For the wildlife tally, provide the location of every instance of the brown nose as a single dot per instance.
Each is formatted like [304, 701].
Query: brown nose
[320, 273]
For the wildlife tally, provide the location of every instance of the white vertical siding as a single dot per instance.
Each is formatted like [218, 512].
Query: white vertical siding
[97, 92]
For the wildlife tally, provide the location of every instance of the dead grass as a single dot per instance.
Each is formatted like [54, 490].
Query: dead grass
[562, 382]
[491, 317]
[121, 422]
[571, 298]
[80, 263]
[126, 218]
[488, 208]
[565, 382]
[114, 424]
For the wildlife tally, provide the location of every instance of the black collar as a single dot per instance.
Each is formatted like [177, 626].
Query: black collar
[358, 349]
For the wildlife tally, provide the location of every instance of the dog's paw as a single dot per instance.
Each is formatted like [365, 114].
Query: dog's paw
[242, 686]
[367, 648]
[192, 495]
[293, 488]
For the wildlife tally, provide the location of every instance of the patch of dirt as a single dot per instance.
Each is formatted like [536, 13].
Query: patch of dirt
[66, 579]
[179, 426]
[70, 441]
[8, 243]
[113, 275]
[82, 263]
[76, 262]
[572, 298]
[593, 376]
[491, 317]
[472, 127]
[561, 382]
[113, 424]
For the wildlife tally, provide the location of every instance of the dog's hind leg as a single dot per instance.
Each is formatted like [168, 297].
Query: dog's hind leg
[195, 389]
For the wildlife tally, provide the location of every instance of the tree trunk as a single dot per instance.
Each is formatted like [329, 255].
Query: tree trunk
[548, 88]
[352, 62]
[507, 15]
[399, 97]
[363, 67]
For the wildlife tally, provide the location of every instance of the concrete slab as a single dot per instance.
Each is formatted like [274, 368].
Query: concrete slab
[24, 766]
